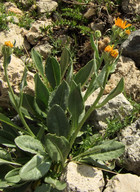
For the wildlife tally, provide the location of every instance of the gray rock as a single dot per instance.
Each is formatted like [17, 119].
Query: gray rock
[46, 6]
[123, 183]
[83, 178]
[126, 68]
[34, 34]
[131, 6]
[118, 107]
[131, 47]
[44, 49]
[130, 136]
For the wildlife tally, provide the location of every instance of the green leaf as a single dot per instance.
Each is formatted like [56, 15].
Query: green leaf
[57, 122]
[13, 176]
[64, 62]
[55, 183]
[29, 144]
[5, 158]
[53, 71]
[69, 75]
[57, 147]
[107, 151]
[7, 139]
[61, 96]
[6, 120]
[37, 61]
[118, 89]
[43, 188]
[5, 184]
[41, 92]
[75, 103]
[84, 74]
[35, 169]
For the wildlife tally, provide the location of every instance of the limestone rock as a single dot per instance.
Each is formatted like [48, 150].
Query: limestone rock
[126, 68]
[11, 7]
[118, 107]
[34, 34]
[123, 183]
[15, 71]
[46, 6]
[131, 6]
[13, 34]
[130, 136]
[131, 47]
[44, 49]
[83, 178]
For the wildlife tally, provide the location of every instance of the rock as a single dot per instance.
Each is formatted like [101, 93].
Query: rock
[130, 136]
[83, 178]
[13, 34]
[11, 7]
[15, 71]
[131, 6]
[34, 34]
[131, 47]
[123, 183]
[90, 12]
[46, 6]
[116, 107]
[97, 26]
[13, 19]
[126, 68]
[44, 49]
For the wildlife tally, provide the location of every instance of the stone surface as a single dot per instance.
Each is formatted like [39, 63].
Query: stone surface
[15, 71]
[46, 6]
[131, 47]
[126, 68]
[34, 34]
[83, 178]
[116, 107]
[130, 136]
[44, 49]
[123, 183]
[131, 6]
[13, 34]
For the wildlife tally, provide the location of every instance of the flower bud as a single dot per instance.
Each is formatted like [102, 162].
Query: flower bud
[97, 34]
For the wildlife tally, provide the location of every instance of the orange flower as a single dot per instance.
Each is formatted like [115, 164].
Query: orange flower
[109, 48]
[127, 32]
[8, 43]
[114, 53]
[122, 24]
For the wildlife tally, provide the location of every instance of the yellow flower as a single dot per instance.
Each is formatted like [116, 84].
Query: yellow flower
[127, 32]
[109, 48]
[122, 24]
[114, 53]
[8, 43]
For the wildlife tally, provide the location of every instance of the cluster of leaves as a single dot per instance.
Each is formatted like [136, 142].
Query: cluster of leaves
[37, 152]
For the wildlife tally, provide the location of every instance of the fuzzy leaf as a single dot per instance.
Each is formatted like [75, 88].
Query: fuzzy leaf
[13, 176]
[57, 147]
[37, 61]
[35, 169]
[84, 73]
[55, 183]
[53, 71]
[29, 144]
[57, 122]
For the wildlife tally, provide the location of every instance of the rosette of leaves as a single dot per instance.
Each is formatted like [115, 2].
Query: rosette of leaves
[55, 114]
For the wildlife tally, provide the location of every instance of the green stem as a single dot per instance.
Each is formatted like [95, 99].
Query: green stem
[15, 102]
[90, 110]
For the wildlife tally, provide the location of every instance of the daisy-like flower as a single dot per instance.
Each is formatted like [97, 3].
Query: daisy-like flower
[109, 48]
[122, 24]
[8, 43]
[114, 53]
